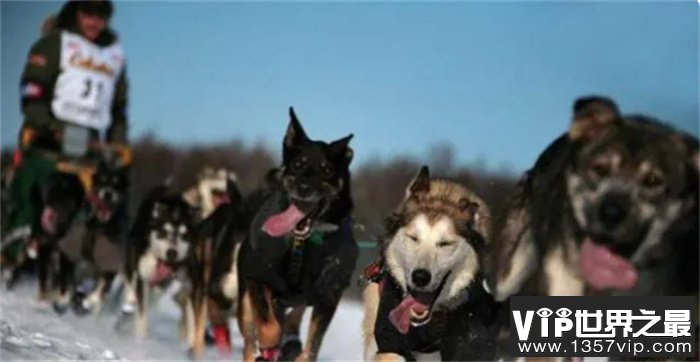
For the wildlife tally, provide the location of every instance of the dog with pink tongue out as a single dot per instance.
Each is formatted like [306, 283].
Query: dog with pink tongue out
[159, 252]
[426, 296]
[299, 250]
[610, 207]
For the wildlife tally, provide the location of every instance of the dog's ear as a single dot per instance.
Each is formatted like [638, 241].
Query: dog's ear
[124, 178]
[272, 177]
[153, 197]
[392, 221]
[420, 183]
[193, 212]
[232, 176]
[157, 210]
[690, 147]
[466, 205]
[295, 133]
[204, 173]
[591, 115]
[479, 217]
[693, 151]
[342, 147]
[234, 192]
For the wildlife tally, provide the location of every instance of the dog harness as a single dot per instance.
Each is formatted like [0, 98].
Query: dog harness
[302, 234]
[97, 204]
[296, 261]
[374, 273]
[422, 339]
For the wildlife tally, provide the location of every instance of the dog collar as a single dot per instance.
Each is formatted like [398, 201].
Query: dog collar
[316, 237]
[96, 202]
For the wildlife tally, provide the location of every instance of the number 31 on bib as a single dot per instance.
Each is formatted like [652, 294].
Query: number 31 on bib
[85, 88]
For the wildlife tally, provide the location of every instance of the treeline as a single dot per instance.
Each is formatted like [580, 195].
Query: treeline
[378, 185]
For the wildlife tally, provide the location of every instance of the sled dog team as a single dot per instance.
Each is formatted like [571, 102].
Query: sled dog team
[609, 208]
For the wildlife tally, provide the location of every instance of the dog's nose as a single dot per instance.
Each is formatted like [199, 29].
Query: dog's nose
[613, 210]
[420, 277]
[171, 255]
[107, 196]
[304, 189]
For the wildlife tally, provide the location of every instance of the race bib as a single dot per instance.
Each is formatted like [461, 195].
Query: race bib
[85, 88]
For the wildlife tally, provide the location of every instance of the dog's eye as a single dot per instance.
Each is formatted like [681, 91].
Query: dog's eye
[600, 169]
[326, 169]
[652, 180]
[412, 237]
[445, 243]
[298, 164]
[161, 234]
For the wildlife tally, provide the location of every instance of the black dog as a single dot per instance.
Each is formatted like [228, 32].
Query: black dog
[92, 251]
[215, 282]
[63, 196]
[58, 201]
[297, 250]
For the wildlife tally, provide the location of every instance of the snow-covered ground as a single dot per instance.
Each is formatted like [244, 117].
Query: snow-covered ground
[30, 330]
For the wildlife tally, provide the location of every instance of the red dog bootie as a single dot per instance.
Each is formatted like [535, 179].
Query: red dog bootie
[270, 354]
[222, 339]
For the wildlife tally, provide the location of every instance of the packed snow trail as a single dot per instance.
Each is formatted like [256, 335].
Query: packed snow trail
[31, 330]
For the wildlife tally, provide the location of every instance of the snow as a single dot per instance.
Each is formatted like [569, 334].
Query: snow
[31, 330]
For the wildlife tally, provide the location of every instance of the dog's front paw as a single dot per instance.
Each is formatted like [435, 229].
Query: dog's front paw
[60, 308]
[32, 249]
[141, 326]
[192, 355]
[80, 305]
[209, 336]
[125, 318]
[291, 349]
[128, 308]
[44, 295]
[61, 303]
[269, 354]
[222, 339]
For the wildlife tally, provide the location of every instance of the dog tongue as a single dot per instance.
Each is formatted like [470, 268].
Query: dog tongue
[283, 223]
[221, 199]
[163, 272]
[103, 215]
[604, 269]
[48, 220]
[400, 316]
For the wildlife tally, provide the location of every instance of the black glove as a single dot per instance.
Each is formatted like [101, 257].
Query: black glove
[39, 136]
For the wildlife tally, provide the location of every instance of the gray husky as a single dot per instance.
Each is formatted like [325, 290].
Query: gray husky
[609, 207]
